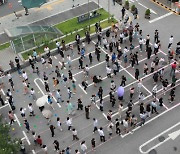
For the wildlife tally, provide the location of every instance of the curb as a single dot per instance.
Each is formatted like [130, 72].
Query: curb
[165, 7]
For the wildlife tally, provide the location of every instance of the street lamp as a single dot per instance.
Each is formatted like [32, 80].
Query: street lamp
[88, 16]
[109, 10]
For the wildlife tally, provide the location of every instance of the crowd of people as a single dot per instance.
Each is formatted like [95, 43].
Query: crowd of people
[122, 32]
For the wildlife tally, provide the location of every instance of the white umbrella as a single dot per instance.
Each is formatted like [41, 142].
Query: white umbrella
[41, 101]
[47, 114]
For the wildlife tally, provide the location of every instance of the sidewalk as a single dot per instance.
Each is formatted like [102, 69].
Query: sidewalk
[48, 20]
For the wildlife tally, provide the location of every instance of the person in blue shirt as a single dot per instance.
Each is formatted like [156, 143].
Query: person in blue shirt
[83, 52]
[35, 54]
[113, 57]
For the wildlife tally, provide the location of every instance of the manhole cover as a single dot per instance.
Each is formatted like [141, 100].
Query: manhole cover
[153, 152]
[161, 138]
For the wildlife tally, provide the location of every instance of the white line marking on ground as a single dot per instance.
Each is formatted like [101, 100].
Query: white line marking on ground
[160, 143]
[161, 17]
[27, 139]
[55, 57]
[82, 89]
[4, 106]
[147, 8]
[17, 119]
[42, 90]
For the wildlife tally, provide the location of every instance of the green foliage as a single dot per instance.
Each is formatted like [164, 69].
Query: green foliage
[133, 7]
[7, 144]
[4, 46]
[148, 12]
[126, 3]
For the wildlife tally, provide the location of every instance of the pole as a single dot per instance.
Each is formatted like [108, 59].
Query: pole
[98, 11]
[88, 16]
[109, 10]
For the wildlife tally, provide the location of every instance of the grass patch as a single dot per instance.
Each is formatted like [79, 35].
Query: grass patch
[4, 46]
[68, 39]
[73, 25]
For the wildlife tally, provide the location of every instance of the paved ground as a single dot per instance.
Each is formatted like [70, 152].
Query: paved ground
[126, 143]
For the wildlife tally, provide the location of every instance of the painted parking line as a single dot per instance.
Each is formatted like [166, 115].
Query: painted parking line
[35, 81]
[27, 139]
[17, 120]
[161, 17]
[4, 106]
[90, 68]
[160, 143]
[147, 8]
[82, 89]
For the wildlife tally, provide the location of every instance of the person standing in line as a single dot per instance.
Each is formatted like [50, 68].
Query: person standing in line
[58, 96]
[98, 54]
[31, 110]
[140, 44]
[22, 111]
[77, 151]
[154, 107]
[170, 41]
[101, 105]
[27, 126]
[108, 71]
[74, 133]
[32, 92]
[87, 111]
[131, 92]
[59, 124]
[56, 145]
[11, 117]
[26, 86]
[139, 86]
[52, 128]
[164, 85]
[50, 102]
[95, 124]
[152, 66]
[74, 87]
[83, 147]
[39, 140]
[100, 92]
[123, 11]
[161, 101]
[93, 143]
[123, 81]
[154, 91]
[156, 36]
[46, 87]
[155, 48]
[173, 69]
[149, 52]
[145, 69]
[136, 58]
[90, 58]
[110, 130]
[81, 63]
[69, 123]
[69, 93]
[117, 124]
[120, 110]
[147, 41]
[137, 74]
[101, 134]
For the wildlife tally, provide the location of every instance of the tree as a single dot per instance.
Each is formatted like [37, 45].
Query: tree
[7, 144]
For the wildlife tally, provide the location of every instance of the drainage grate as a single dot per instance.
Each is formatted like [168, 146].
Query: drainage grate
[153, 152]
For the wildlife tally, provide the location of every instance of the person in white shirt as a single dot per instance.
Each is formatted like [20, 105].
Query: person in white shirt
[95, 124]
[170, 41]
[22, 111]
[152, 66]
[31, 110]
[59, 124]
[46, 49]
[105, 43]
[24, 75]
[32, 92]
[155, 48]
[74, 132]
[108, 71]
[125, 50]
[101, 134]
[83, 147]
[58, 44]
[69, 61]
[140, 44]
[154, 91]
[120, 110]
[69, 123]
[139, 86]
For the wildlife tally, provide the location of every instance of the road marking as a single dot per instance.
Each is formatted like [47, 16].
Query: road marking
[147, 8]
[27, 139]
[42, 90]
[82, 89]
[90, 67]
[3, 92]
[171, 136]
[161, 17]
[4, 106]
[55, 57]
[17, 119]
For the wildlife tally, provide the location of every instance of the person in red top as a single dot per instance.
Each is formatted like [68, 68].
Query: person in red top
[11, 117]
[39, 140]
[173, 69]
